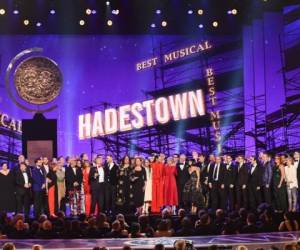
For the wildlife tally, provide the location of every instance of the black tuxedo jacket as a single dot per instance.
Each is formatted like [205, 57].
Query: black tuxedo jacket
[20, 181]
[298, 172]
[182, 175]
[111, 174]
[209, 170]
[71, 178]
[255, 179]
[242, 175]
[92, 180]
[221, 175]
[230, 175]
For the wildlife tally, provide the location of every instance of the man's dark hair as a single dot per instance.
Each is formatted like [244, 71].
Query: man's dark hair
[159, 247]
[9, 246]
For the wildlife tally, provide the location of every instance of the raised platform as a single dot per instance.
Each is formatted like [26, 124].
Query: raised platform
[253, 241]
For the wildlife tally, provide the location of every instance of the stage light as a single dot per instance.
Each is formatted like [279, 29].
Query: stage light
[16, 12]
[26, 22]
[200, 26]
[107, 3]
[88, 11]
[109, 22]
[38, 24]
[115, 12]
[229, 12]
[200, 12]
[153, 25]
[81, 22]
[94, 12]
[164, 23]
[2, 11]
[52, 12]
[215, 24]
[158, 12]
[190, 12]
[234, 11]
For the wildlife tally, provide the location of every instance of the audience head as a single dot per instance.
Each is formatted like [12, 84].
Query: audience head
[116, 226]
[159, 247]
[180, 245]
[37, 247]
[9, 246]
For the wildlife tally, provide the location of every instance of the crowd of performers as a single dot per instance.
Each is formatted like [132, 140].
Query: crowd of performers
[146, 185]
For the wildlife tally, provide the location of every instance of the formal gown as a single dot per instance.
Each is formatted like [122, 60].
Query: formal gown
[123, 183]
[137, 185]
[191, 193]
[148, 188]
[157, 187]
[7, 192]
[52, 193]
[86, 190]
[280, 197]
[61, 188]
[170, 186]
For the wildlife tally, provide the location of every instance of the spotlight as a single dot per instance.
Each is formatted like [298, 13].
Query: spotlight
[94, 12]
[107, 3]
[190, 12]
[26, 22]
[52, 12]
[38, 24]
[81, 22]
[215, 24]
[200, 12]
[88, 11]
[200, 26]
[229, 12]
[234, 11]
[109, 22]
[164, 23]
[158, 12]
[153, 25]
[115, 12]
[2, 11]
[16, 12]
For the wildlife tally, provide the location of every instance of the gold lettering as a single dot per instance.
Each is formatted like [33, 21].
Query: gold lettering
[168, 57]
[212, 91]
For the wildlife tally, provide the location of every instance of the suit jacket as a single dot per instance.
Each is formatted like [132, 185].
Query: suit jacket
[111, 174]
[255, 179]
[298, 172]
[221, 173]
[38, 179]
[20, 181]
[209, 171]
[242, 175]
[182, 175]
[230, 175]
[92, 180]
[71, 178]
[267, 173]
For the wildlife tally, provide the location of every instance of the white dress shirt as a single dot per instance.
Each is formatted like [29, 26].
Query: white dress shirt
[25, 177]
[111, 165]
[101, 174]
[74, 170]
[291, 176]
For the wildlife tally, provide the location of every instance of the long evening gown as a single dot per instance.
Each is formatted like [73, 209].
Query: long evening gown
[148, 188]
[157, 187]
[7, 192]
[170, 186]
[123, 186]
[86, 190]
[280, 196]
[192, 194]
[52, 193]
[137, 193]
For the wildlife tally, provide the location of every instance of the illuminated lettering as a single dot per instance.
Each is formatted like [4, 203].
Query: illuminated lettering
[85, 126]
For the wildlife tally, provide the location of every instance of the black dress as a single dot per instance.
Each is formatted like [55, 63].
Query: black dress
[137, 183]
[123, 183]
[280, 196]
[192, 194]
[7, 193]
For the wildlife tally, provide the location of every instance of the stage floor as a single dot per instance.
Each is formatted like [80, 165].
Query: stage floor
[251, 240]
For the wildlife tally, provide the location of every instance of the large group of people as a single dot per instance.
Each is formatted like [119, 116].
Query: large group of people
[147, 185]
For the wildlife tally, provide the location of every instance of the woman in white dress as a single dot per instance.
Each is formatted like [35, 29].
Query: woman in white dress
[148, 188]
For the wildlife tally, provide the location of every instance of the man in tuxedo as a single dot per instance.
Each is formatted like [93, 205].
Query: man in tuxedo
[254, 183]
[97, 182]
[182, 177]
[38, 188]
[23, 181]
[110, 185]
[230, 175]
[267, 177]
[207, 175]
[241, 183]
[73, 185]
[216, 185]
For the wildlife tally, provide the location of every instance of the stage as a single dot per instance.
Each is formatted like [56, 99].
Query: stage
[252, 241]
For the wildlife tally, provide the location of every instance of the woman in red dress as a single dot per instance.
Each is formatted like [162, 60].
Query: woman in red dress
[170, 186]
[86, 187]
[157, 184]
[52, 190]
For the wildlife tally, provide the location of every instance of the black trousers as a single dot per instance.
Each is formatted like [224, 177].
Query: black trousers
[23, 201]
[180, 187]
[241, 197]
[110, 198]
[217, 196]
[267, 195]
[98, 193]
[254, 197]
[229, 197]
[39, 203]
